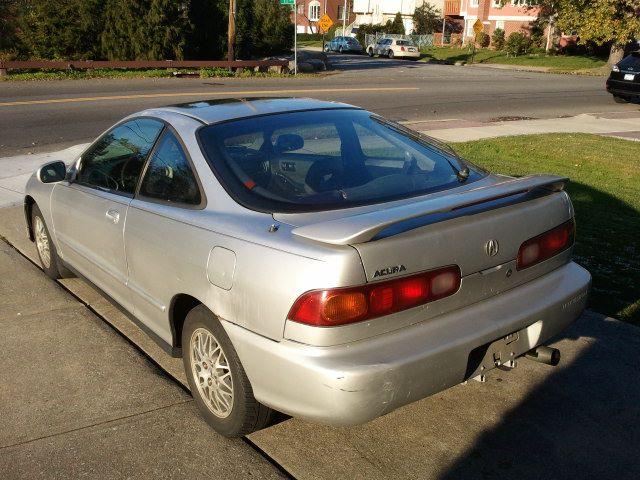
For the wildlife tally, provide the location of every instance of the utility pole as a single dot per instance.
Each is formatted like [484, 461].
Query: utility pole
[231, 37]
[344, 19]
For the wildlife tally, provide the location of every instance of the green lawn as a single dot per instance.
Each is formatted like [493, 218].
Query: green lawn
[311, 43]
[485, 55]
[605, 189]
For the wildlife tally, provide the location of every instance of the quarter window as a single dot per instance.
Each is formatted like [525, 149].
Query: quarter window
[169, 176]
[115, 161]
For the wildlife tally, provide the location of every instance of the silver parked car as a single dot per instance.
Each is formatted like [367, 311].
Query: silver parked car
[310, 257]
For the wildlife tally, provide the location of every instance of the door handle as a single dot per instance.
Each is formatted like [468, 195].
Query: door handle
[113, 215]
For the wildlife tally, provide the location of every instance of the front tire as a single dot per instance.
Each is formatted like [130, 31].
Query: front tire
[390, 55]
[217, 380]
[340, 49]
[619, 99]
[49, 259]
[370, 52]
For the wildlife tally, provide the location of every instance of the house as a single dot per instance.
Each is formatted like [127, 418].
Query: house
[310, 11]
[513, 16]
[380, 11]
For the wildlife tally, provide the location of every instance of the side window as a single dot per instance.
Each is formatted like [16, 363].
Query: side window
[116, 159]
[169, 176]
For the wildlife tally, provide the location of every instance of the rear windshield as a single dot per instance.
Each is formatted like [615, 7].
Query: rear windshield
[632, 60]
[405, 42]
[325, 159]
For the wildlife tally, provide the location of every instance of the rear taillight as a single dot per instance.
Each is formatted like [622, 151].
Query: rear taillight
[338, 306]
[546, 245]
[402, 48]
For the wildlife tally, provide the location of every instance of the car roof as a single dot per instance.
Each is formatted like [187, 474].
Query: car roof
[219, 110]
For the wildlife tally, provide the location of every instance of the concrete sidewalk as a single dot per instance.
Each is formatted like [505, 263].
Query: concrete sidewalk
[623, 126]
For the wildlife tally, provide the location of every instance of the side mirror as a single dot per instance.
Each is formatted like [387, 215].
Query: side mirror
[52, 172]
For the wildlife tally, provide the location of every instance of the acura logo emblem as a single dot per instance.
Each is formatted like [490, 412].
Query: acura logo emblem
[492, 248]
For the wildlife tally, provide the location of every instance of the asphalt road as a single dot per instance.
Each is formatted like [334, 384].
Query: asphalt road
[41, 116]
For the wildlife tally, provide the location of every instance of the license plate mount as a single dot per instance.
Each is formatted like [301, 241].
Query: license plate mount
[629, 76]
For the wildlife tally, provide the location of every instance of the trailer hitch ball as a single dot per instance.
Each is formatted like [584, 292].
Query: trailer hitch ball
[543, 354]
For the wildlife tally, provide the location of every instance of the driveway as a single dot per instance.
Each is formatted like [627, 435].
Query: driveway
[78, 400]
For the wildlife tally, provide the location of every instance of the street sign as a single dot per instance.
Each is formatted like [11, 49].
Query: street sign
[287, 2]
[324, 23]
[478, 26]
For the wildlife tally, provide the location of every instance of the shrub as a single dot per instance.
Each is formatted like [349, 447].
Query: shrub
[518, 44]
[482, 39]
[498, 39]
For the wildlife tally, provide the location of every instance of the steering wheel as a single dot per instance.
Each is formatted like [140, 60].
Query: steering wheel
[108, 179]
[324, 176]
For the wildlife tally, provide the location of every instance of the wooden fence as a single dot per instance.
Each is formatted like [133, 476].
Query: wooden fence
[89, 64]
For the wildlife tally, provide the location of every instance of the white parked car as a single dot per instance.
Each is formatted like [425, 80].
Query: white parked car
[394, 48]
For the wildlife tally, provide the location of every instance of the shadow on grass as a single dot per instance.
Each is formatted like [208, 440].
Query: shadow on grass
[608, 245]
[580, 423]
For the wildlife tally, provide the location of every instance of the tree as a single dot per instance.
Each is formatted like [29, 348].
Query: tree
[397, 26]
[272, 28]
[144, 30]
[206, 38]
[426, 19]
[62, 28]
[9, 14]
[614, 22]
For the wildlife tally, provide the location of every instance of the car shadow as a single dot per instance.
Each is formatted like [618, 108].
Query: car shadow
[581, 422]
[607, 244]
[347, 62]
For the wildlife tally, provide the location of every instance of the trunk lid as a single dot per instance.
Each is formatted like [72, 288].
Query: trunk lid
[476, 228]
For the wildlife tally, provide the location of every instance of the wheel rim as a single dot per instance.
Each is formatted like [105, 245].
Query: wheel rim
[211, 373]
[42, 243]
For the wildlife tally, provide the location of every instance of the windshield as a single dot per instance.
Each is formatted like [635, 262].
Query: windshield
[631, 61]
[325, 159]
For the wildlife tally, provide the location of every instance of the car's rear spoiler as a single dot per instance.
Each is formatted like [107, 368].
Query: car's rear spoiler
[364, 227]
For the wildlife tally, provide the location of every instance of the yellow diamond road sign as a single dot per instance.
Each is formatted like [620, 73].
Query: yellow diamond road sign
[325, 23]
[478, 26]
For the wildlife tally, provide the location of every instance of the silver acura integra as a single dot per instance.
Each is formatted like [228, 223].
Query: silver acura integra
[310, 257]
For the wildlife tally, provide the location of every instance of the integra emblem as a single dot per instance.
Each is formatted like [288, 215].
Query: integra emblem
[389, 271]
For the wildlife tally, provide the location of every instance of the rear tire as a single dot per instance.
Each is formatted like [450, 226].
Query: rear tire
[217, 380]
[340, 49]
[390, 55]
[49, 260]
[619, 99]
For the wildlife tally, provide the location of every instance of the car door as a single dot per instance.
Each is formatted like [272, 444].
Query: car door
[166, 254]
[89, 213]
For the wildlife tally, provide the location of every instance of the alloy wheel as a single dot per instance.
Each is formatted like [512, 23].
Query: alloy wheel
[211, 372]
[42, 242]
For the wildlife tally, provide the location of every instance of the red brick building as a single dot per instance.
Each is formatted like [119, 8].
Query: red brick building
[310, 11]
[513, 16]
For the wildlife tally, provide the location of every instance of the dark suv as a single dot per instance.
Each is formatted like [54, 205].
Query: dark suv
[624, 81]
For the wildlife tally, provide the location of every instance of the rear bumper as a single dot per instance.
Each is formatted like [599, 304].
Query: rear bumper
[357, 382]
[620, 87]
